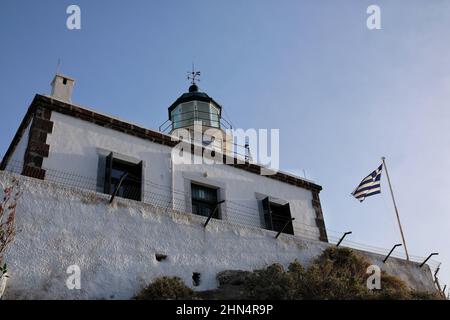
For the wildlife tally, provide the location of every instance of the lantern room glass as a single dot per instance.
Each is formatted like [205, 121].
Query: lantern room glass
[185, 114]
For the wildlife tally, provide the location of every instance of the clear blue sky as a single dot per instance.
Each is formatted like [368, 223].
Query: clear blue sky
[341, 95]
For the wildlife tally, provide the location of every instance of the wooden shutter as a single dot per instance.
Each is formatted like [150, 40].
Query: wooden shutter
[287, 213]
[267, 213]
[108, 172]
[140, 174]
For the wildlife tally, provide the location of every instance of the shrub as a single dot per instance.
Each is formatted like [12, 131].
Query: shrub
[166, 288]
[424, 295]
[271, 283]
[298, 275]
[338, 274]
[392, 288]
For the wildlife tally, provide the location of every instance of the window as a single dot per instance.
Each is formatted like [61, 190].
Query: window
[276, 216]
[131, 186]
[204, 201]
[208, 114]
[183, 115]
[186, 113]
[196, 279]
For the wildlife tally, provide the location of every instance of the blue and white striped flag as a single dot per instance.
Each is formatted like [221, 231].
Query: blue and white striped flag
[369, 186]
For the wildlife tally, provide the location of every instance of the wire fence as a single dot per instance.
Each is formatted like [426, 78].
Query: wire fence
[244, 212]
[235, 143]
[187, 118]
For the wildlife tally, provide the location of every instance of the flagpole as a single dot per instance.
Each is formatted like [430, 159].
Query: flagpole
[395, 207]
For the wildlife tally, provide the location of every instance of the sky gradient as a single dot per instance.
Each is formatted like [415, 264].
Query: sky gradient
[341, 95]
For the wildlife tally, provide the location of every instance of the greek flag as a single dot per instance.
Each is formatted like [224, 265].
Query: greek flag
[369, 186]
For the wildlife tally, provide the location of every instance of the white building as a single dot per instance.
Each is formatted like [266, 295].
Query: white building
[156, 224]
[63, 142]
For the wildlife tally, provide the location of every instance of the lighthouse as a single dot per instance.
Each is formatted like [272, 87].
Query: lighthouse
[198, 114]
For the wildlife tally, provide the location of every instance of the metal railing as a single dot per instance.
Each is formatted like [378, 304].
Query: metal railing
[190, 117]
[239, 151]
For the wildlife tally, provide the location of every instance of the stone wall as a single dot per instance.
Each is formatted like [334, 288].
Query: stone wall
[116, 246]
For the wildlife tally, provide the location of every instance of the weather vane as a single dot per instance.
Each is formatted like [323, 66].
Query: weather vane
[193, 75]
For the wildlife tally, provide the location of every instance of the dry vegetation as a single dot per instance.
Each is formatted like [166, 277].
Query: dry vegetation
[166, 288]
[338, 274]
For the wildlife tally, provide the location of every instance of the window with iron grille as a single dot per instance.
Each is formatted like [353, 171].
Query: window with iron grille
[130, 174]
[276, 216]
[204, 200]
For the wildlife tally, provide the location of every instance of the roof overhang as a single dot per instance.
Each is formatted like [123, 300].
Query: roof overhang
[194, 96]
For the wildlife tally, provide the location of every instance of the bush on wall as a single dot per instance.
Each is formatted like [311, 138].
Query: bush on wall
[337, 274]
[166, 288]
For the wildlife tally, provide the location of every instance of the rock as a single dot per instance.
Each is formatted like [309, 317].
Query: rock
[232, 277]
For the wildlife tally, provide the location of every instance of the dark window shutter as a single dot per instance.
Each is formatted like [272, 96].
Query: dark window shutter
[108, 172]
[286, 209]
[140, 169]
[204, 201]
[101, 173]
[267, 213]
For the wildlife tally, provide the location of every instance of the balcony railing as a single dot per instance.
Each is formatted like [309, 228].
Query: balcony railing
[188, 119]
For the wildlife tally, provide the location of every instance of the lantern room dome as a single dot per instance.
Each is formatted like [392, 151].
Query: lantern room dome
[193, 88]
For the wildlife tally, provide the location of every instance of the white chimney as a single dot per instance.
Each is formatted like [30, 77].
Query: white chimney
[62, 87]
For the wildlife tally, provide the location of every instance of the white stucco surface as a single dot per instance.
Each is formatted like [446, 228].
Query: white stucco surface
[115, 246]
[15, 163]
[76, 145]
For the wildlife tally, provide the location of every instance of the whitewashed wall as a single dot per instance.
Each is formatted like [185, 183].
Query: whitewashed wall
[15, 163]
[115, 246]
[243, 192]
[75, 146]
